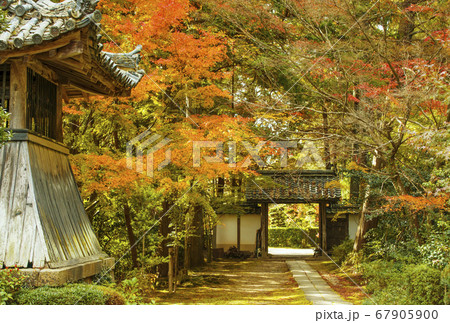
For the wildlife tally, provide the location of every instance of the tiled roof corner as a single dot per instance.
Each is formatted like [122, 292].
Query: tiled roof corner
[32, 23]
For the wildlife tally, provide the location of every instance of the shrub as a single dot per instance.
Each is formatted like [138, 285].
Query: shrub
[4, 134]
[10, 282]
[74, 294]
[341, 252]
[445, 281]
[381, 275]
[424, 285]
[436, 251]
[112, 297]
[291, 237]
[137, 288]
[398, 283]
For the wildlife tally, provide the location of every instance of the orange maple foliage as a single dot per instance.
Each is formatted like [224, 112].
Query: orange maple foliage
[105, 174]
[415, 203]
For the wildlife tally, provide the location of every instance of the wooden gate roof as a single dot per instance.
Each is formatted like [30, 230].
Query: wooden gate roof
[63, 36]
[293, 186]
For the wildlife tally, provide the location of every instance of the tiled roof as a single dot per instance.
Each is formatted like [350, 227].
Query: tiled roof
[31, 23]
[293, 187]
[334, 208]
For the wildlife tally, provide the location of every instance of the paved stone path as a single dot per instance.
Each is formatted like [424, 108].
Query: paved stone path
[313, 285]
[289, 253]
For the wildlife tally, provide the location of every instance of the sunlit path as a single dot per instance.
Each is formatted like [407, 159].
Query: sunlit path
[313, 285]
[287, 252]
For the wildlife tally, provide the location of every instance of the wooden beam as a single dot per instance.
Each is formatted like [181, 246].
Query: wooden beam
[39, 140]
[74, 48]
[64, 94]
[86, 90]
[43, 70]
[323, 220]
[86, 96]
[45, 47]
[59, 125]
[264, 230]
[18, 96]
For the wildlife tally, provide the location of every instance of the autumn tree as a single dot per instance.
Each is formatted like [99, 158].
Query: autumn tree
[354, 75]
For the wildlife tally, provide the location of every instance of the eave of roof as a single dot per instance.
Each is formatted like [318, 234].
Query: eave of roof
[34, 25]
[293, 186]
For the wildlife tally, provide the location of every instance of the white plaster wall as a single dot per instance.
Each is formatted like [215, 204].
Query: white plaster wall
[353, 220]
[250, 223]
[226, 234]
[226, 230]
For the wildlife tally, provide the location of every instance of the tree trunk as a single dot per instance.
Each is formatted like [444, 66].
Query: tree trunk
[196, 245]
[171, 270]
[326, 140]
[131, 236]
[164, 231]
[187, 260]
[364, 225]
[407, 25]
[264, 230]
[175, 268]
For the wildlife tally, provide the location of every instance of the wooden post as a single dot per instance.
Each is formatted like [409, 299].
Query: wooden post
[239, 232]
[323, 220]
[264, 230]
[59, 126]
[320, 228]
[18, 96]
[171, 270]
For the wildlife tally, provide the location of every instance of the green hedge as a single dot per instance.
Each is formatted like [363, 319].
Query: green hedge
[292, 237]
[403, 284]
[79, 294]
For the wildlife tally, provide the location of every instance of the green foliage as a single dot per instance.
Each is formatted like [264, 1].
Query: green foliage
[381, 275]
[424, 285]
[138, 286]
[73, 294]
[112, 296]
[393, 282]
[341, 252]
[292, 215]
[131, 290]
[11, 280]
[4, 134]
[292, 237]
[436, 252]
[445, 280]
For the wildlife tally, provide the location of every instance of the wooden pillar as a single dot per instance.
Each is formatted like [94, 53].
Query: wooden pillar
[264, 229]
[320, 228]
[18, 95]
[323, 229]
[59, 126]
[239, 232]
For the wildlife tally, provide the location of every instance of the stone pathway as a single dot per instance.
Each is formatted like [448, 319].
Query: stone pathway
[290, 253]
[313, 285]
